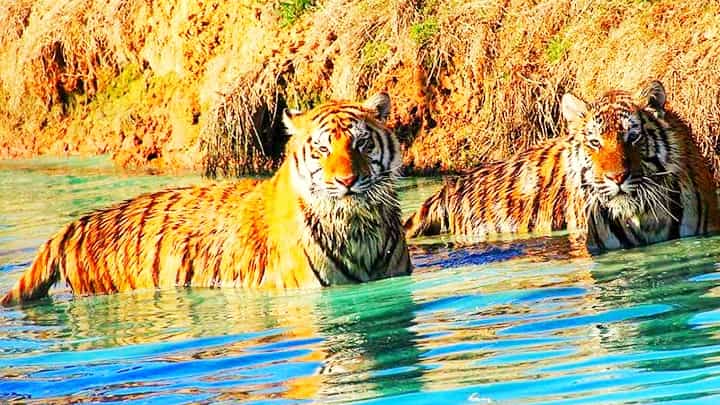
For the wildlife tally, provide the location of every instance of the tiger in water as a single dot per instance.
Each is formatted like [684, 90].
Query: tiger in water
[627, 174]
[330, 215]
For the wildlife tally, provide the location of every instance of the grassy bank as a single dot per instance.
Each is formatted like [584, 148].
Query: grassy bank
[180, 85]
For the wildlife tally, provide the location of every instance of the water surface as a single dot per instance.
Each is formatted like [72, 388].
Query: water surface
[506, 322]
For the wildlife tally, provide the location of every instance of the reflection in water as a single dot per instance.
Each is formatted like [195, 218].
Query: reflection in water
[495, 322]
[150, 343]
[326, 347]
[370, 341]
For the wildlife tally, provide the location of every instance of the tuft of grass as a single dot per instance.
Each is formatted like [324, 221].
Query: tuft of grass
[291, 10]
[374, 52]
[422, 32]
[557, 49]
[304, 102]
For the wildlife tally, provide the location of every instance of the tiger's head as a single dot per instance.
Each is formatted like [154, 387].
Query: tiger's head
[342, 151]
[623, 151]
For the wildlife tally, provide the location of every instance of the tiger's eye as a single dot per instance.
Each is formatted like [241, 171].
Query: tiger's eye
[323, 149]
[594, 143]
[633, 137]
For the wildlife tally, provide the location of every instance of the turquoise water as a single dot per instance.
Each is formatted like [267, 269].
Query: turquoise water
[507, 322]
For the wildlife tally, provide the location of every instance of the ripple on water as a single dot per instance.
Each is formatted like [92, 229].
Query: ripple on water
[503, 322]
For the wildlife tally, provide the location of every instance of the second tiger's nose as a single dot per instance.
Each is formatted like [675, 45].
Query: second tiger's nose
[347, 181]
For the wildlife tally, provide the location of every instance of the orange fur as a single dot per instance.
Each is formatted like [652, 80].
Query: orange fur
[329, 215]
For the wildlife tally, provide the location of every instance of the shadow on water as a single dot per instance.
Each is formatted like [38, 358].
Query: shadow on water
[456, 251]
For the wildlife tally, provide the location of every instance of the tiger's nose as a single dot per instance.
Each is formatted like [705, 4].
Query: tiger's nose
[618, 177]
[347, 181]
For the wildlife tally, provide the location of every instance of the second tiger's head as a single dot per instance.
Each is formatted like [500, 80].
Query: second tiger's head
[342, 150]
[624, 149]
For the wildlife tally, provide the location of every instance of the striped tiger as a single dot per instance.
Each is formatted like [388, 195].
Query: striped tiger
[627, 174]
[330, 215]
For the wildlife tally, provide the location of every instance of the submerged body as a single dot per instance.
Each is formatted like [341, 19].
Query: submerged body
[625, 175]
[330, 215]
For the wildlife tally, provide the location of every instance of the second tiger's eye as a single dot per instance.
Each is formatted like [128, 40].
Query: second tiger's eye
[633, 136]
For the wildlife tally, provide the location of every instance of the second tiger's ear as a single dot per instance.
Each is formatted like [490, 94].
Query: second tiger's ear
[379, 102]
[572, 108]
[288, 119]
[655, 97]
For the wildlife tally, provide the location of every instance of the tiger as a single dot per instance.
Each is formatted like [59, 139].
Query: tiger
[329, 215]
[627, 173]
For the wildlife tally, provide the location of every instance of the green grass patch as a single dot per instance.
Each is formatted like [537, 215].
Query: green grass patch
[303, 101]
[422, 32]
[291, 10]
[556, 49]
[373, 52]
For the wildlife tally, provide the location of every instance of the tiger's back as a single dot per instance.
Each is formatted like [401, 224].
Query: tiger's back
[320, 220]
[530, 193]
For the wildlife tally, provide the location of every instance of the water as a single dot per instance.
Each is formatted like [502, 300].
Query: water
[506, 322]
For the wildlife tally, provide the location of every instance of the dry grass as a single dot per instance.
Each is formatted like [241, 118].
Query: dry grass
[178, 84]
[342, 49]
[64, 48]
[477, 81]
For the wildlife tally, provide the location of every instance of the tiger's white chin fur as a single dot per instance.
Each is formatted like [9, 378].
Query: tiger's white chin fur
[623, 206]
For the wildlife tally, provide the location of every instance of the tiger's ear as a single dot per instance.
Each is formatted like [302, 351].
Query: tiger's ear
[655, 97]
[572, 107]
[288, 116]
[380, 102]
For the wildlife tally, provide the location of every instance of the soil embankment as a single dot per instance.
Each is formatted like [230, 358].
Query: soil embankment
[177, 84]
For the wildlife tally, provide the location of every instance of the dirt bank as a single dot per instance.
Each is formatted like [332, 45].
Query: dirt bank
[175, 84]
